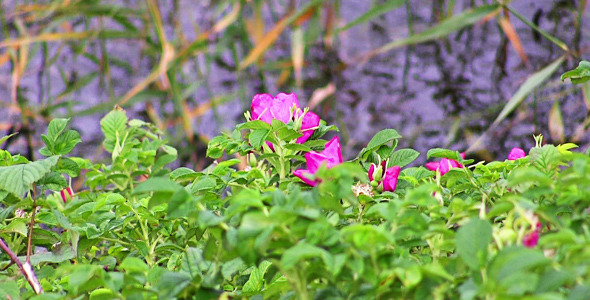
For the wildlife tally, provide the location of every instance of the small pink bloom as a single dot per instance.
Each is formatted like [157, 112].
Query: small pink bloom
[516, 153]
[285, 108]
[444, 165]
[530, 240]
[389, 176]
[331, 156]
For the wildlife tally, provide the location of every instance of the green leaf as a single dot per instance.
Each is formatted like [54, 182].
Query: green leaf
[382, 137]
[56, 127]
[113, 125]
[9, 289]
[442, 153]
[133, 264]
[53, 181]
[66, 142]
[255, 124]
[403, 157]
[303, 251]
[373, 13]
[256, 280]
[444, 28]
[157, 184]
[257, 137]
[18, 179]
[472, 242]
[515, 259]
[16, 226]
[578, 75]
[183, 174]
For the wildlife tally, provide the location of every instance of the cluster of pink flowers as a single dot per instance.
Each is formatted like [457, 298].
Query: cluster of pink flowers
[285, 108]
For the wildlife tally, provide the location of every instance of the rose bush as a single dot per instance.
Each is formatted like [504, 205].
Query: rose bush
[378, 226]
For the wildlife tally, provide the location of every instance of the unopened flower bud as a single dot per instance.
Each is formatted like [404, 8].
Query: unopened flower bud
[378, 173]
[252, 160]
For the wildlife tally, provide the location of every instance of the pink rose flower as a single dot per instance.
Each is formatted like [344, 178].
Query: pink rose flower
[386, 178]
[331, 156]
[516, 153]
[285, 108]
[444, 165]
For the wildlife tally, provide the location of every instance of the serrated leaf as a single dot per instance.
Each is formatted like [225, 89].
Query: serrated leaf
[257, 137]
[403, 157]
[442, 153]
[18, 179]
[53, 181]
[255, 124]
[472, 242]
[256, 280]
[66, 142]
[113, 125]
[56, 127]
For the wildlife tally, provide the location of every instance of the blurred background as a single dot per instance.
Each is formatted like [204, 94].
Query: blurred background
[461, 74]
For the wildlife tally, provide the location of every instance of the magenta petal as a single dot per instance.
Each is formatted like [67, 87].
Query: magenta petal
[530, 240]
[63, 195]
[432, 166]
[371, 170]
[314, 160]
[462, 155]
[516, 153]
[390, 178]
[260, 108]
[303, 175]
[288, 100]
[445, 166]
[333, 150]
[280, 112]
[455, 164]
[310, 120]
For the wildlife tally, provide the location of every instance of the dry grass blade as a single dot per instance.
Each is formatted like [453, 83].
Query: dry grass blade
[297, 53]
[270, 37]
[228, 19]
[321, 94]
[265, 43]
[556, 123]
[513, 37]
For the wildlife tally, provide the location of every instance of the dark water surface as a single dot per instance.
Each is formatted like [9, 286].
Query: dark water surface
[436, 94]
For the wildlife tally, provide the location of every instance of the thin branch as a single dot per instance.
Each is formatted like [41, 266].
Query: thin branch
[26, 269]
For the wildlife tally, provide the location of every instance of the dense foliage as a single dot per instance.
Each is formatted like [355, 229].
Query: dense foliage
[247, 227]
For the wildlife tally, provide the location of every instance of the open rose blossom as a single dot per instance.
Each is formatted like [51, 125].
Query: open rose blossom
[387, 179]
[444, 165]
[516, 153]
[331, 156]
[266, 108]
